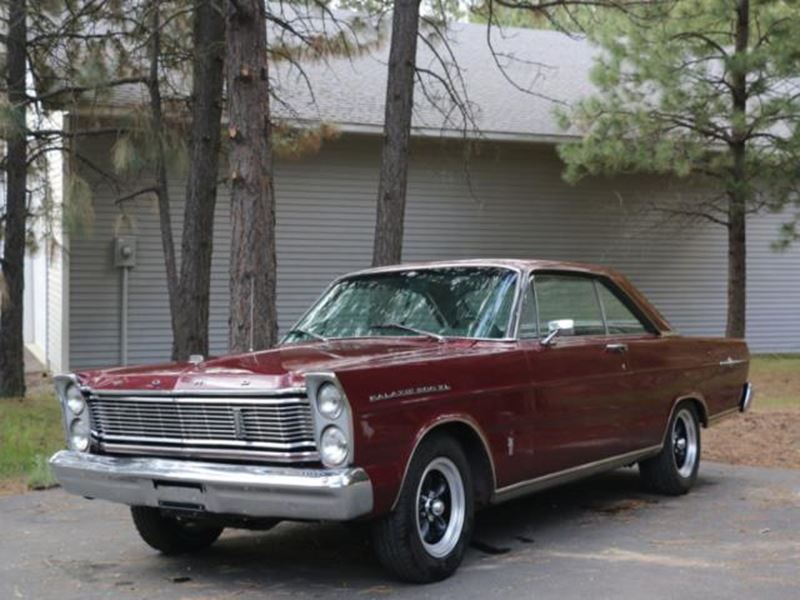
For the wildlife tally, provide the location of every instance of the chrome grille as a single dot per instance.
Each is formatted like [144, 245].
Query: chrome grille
[272, 429]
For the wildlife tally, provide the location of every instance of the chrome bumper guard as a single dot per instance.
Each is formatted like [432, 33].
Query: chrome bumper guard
[747, 397]
[241, 490]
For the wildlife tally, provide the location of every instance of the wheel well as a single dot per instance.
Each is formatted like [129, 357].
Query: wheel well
[476, 451]
[700, 407]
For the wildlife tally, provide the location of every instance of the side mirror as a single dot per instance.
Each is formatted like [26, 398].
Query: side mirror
[556, 327]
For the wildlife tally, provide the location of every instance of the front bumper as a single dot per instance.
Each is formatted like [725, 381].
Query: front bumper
[229, 489]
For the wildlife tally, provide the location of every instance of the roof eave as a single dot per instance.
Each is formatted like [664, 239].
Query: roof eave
[377, 129]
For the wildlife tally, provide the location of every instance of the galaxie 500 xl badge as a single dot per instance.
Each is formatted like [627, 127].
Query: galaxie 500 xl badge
[413, 391]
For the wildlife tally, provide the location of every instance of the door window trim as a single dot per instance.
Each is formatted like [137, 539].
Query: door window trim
[596, 280]
[628, 303]
[529, 284]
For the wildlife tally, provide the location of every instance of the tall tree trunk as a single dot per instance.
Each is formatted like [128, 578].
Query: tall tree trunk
[738, 193]
[253, 321]
[737, 271]
[12, 361]
[191, 333]
[388, 244]
[160, 167]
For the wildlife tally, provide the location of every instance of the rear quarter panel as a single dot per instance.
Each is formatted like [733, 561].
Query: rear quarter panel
[670, 368]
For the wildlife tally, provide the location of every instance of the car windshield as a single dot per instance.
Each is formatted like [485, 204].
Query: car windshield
[472, 302]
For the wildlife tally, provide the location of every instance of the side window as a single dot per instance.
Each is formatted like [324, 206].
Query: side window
[620, 318]
[568, 297]
[527, 318]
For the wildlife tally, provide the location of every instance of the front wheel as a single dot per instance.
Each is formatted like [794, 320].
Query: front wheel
[673, 471]
[424, 538]
[171, 535]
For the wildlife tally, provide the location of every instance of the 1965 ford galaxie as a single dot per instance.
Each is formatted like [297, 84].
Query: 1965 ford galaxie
[409, 396]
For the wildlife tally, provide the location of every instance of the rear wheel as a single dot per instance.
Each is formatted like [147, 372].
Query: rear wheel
[171, 535]
[673, 471]
[425, 537]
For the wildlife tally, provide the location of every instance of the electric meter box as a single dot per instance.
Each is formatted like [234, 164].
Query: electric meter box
[125, 252]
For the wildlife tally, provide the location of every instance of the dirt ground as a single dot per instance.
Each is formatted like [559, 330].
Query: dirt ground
[769, 438]
[769, 435]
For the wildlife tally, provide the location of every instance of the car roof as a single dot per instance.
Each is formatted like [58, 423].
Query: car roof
[509, 263]
[533, 265]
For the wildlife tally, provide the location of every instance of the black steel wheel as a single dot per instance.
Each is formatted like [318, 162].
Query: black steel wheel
[673, 471]
[424, 538]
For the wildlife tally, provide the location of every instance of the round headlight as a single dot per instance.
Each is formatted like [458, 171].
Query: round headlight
[79, 435]
[334, 447]
[329, 401]
[75, 400]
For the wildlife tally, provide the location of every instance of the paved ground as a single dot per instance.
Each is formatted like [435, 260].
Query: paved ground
[737, 535]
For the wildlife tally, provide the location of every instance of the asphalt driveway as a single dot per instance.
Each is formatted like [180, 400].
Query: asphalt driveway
[737, 535]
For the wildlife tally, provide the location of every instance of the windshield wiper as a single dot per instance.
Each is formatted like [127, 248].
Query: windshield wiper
[307, 333]
[430, 334]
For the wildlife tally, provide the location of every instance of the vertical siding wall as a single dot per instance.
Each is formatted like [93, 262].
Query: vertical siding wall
[57, 254]
[515, 205]
[44, 268]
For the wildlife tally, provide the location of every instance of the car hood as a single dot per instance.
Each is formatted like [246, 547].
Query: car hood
[277, 369]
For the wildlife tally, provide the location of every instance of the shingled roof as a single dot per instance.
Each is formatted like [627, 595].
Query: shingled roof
[538, 70]
[546, 68]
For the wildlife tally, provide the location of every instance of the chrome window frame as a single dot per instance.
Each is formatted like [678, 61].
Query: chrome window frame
[649, 327]
[529, 282]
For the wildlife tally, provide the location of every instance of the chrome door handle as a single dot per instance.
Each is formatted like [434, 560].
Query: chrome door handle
[732, 362]
[617, 348]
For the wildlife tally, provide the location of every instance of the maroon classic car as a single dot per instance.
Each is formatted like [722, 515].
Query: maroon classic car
[408, 396]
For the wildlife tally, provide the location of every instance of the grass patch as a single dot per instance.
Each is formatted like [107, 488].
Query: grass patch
[30, 431]
[41, 475]
[777, 382]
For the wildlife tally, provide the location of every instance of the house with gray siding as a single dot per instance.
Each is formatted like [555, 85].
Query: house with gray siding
[507, 199]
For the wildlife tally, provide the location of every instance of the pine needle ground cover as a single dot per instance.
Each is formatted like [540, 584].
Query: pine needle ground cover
[768, 435]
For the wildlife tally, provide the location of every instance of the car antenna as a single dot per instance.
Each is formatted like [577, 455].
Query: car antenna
[252, 309]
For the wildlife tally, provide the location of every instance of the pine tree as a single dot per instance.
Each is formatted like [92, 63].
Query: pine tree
[702, 89]
[396, 134]
[12, 369]
[208, 56]
[55, 58]
[439, 81]
[253, 320]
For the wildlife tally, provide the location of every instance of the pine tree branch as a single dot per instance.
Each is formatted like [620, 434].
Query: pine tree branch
[692, 213]
[703, 37]
[79, 89]
[97, 169]
[63, 133]
[454, 83]
[491, 25]
[140, 192]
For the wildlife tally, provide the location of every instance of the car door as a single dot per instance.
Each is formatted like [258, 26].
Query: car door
[578, 379]
[650, 382]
